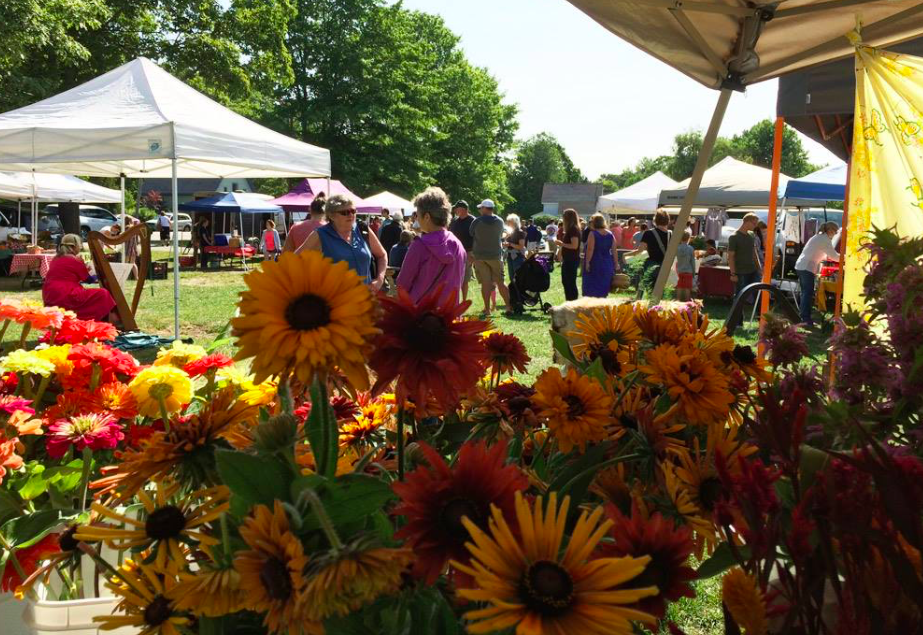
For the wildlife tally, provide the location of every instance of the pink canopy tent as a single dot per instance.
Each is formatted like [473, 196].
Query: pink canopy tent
[299, 198]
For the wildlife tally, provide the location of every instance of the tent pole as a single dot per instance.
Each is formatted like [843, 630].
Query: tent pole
[838, 307]
[124, 245]
[34, 211]
[708, 144]
[174, 192]
[18, 215]
[771, 219]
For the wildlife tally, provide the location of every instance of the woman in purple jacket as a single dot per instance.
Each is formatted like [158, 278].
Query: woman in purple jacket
[437, 258]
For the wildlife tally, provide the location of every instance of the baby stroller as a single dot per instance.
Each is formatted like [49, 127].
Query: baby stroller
[530, 281]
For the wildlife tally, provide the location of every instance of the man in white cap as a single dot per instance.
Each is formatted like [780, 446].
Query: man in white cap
[487, 251]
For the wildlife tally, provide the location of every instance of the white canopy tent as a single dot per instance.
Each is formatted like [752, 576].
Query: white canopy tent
[386, 200]
[139, 121]
[641, 197]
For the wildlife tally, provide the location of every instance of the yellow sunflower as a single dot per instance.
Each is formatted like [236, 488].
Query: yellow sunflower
[609, 327]
[529, 583]
[578, 409]
[161, 387]
[345, 582]
[698, 391]
[261, 394]
[304, 315]
[166, 525]
[212, 590]
[272, 572]
[179, 354]
[146, 605]
[745, 602]
[361, 431]
[658, 326]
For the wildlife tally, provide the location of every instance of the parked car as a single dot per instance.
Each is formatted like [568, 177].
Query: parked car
[46, 223]
[185, 223]
[92, 218]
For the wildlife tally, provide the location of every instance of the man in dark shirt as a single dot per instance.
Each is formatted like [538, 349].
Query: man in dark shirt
[390, 234]
[461, 228]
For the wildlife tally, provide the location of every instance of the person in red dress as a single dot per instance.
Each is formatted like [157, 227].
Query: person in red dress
[63, 286]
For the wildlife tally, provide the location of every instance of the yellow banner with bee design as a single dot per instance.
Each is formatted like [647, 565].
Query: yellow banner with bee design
[887, 157]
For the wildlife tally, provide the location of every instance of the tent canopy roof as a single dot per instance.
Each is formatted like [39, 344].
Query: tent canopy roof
[54, 188]
[827, 184]
[387, 200]
[299, 198]
[234, 202]
[748, 42]
[134, 120]
[642, 196]
[732, 183]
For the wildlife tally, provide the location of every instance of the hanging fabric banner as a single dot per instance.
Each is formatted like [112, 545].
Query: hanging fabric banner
[886, 183]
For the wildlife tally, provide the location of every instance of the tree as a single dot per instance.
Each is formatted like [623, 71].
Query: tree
[756, 144]
[539, 160]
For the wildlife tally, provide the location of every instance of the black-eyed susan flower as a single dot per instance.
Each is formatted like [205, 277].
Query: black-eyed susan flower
[145, 603]
[605, 328]
[577, 408]
[529, 583]
[745, 601]
[505, 353]
[305, 315]
[698, 391]
[167, 522]
[212, 590]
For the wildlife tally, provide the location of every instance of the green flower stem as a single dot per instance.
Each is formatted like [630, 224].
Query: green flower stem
[42, 387]
[210, 381]
[225, 535]
[25, 333]
[598, 468]
[163, 413]
[85, 477]
[400, 442]
[326, 524]
[6, 325]
[95, 374]
[25, 381]
[102, 564]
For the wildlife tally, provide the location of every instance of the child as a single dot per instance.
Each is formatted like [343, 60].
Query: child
[396, 257]
[685, 269]
[710, 257]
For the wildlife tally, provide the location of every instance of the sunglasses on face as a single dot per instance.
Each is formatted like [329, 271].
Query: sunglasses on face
[346, 212]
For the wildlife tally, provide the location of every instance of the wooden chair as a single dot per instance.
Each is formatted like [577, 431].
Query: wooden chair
[108, 280]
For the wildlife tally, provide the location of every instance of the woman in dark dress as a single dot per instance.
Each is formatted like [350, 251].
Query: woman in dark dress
[569, 243]
[600, 260]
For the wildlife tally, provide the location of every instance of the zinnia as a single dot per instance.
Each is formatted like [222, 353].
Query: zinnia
[28, 363]
[209, 363]
[158, 385]
[74, 331]
[96, 431]
[179, 354]
[112, 365]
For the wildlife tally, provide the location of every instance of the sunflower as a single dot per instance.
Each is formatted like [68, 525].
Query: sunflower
[363, 428]
[530, 584]
[146, 607]
[272, 572]
[691, 514]
[261, 394]
[179, 354]
[669, 548]
[577, 408]
[212, 590]
[658, 326]
[341, 583]
[609, 327]
[161, 387]
[166, 525]
[505, 353]
[305, 315]
[744, 601]
[698, 391]
[435, 498]
[27, 363]
[428, 349]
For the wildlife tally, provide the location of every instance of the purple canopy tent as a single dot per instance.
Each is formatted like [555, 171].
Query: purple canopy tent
[299, 198]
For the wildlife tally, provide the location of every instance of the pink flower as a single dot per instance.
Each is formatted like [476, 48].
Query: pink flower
[208, 363]
[96, 431]
[10, 404]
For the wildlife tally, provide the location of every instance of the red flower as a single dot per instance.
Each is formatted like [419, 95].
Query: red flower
[208, 363]
[515, 403]
[435, 498]
[668, 546]
[113, 364]
[74, 331]
[344, 409]
[137, 434]
[67, 405]
[28, 559]
[96, 431]
[431, 353]
[8, 383]
[506, 353]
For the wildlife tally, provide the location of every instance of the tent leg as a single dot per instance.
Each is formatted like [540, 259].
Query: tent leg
[174, 192]
[34, 211]
[771, 219]
[838, 307]
[124, 245]
[708, 144]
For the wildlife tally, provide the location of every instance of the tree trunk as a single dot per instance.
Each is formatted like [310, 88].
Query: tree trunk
[70, 217]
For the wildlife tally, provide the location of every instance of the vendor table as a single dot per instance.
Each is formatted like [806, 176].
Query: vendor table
[26, 264]
[241, 253]
[716, 281]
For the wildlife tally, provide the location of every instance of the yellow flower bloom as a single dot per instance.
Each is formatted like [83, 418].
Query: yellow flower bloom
[212, 590]
[146, 605]
[698, 391]
[179, 354]
[261, 394]
[745, 602]
[578, 409]
[57, 355]
[529, 583]
[161, 382]
[233, 375]
[27, 362]
[305, 315]
[612, 327]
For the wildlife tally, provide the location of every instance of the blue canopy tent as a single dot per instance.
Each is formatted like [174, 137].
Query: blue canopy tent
[233, 203]
[827, 184]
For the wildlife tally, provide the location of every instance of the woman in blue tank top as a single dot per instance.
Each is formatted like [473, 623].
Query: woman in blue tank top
[340, 240]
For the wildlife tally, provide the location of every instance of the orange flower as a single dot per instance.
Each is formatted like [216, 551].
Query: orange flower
[8, 457]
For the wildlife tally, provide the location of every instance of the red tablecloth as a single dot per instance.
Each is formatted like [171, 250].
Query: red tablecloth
[715, 281]
[238, 252]
[23, 263]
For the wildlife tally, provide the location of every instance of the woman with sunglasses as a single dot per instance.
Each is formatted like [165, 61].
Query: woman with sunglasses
[341, 239]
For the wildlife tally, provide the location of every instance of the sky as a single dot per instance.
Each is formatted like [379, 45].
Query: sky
[608, 103]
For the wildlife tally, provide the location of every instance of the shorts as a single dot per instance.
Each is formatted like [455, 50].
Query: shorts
[488, 271]
[469, 260]
[164, 234]
[684, 280]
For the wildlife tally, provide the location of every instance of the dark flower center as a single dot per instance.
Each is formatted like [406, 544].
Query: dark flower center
[629, 421]
[276, 580]
[451, 517]
[67, 542]
[656, 573]
[684, 368]
[744, 355]
[609, 359]
[307, 312]
[547, 589]
[158, 611]
[710, 491]
[166, 522]
[429, 334]
[575, 407]
[520, 403]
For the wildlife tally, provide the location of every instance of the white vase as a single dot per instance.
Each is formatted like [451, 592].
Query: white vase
[70, 617]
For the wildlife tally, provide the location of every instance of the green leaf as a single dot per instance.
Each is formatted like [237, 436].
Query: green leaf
[34, 486]
[352, 497]
[348, 625]
[562, 346]
[252, 480]
[26, 530]
[322, 432]
[721, 560]
[596, 371]
[574, 479]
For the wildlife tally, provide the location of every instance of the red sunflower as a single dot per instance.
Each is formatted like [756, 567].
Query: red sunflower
[209, 363]
[669, 548]
[428, 349]
[506, 353]
[515, 403]
[435, 498]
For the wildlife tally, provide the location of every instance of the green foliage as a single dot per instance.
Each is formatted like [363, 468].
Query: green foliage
[252, 480]
[540, 159]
